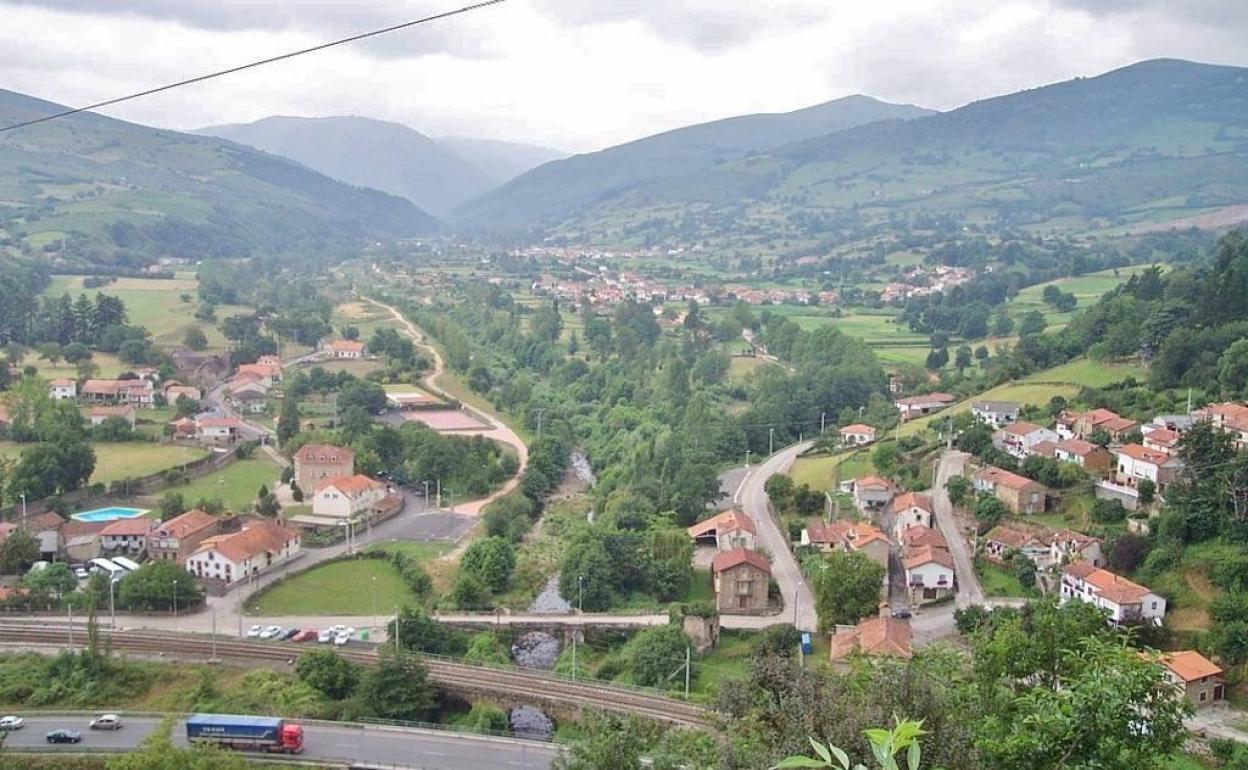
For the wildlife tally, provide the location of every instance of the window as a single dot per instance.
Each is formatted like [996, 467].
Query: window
[1203, 696]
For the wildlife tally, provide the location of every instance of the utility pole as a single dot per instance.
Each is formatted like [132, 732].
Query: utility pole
[1189, 400]
[580, 594]
[747, 458]
[823, 419]
[439, 493]
[539, 422]
[771, 441]
[397, 627]
[175, 606]
[112, 606]
[426, 483]
[214, 636]
[688, 661]
[573, 655]
[69, 609]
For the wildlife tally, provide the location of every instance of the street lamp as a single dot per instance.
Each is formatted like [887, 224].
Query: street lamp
[23, 495]
[580, 593]
[747, 458]
[112, 607]
[374, 598]
[771, 441]
[175, 605]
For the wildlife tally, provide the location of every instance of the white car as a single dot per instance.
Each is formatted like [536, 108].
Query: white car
[81, 573]
[254, 632]
[270, 632]
[325, 636]
[338, 629]
[11, 723]
[341, 639]
[106, 722]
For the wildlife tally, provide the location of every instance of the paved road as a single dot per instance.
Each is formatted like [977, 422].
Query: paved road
[410, 748]
[798, 599]
[497, 431]
[969, 590]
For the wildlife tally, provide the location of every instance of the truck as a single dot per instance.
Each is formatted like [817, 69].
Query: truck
[269, 734]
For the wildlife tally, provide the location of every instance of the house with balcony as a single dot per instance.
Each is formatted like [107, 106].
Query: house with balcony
[1019, 439]
[63, 389]
[910, 509]
[1003, 541]
[1126, 602]
[1084, 424]
[126, 536]
[315, 463]
[176, 539]
[726, 531]
[998, 414]
[255, 549]
[857, 434]
[1136, 463]
[1067, 546]
[873, 493]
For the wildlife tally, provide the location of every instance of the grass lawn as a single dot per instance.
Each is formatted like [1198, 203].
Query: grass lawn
[999, 582]
[1092, 374]
[1022, 392]
[700, 588]
[730, 659]
[416, 549]
[817, 472]
[356, 587]
[135, 459]
[357, 366]
[108, 363]
[1086, 288]
[742, 367]
[236, 484]
[1186, 762]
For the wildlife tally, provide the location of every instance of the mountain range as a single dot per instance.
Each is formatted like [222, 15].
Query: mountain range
[1153, 141]
[435, 174]
[563, 187]
[91, 189]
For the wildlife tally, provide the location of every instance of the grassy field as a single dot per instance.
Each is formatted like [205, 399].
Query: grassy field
[742, 367]
[357, 587]
[1092, 374]
[999, 582]
[1020, 392]
[359, 366]
[235, 485]
[416, 549]
[1086, 288]
[817, 472]
[135, 459]
[156, 304]
[108, 364]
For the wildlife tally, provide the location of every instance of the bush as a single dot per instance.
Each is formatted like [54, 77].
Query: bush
[1108, 511]
[782, 640]
[486, 718]
[490, 560]
[656, 653]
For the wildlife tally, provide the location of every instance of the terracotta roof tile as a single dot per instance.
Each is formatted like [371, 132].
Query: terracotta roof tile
[255, 538]
[138, 525]
[351, 486]
[1190, 665]
[324, 454]
[874, 636]
[908, 500]
[728, 521]
[738, 556]
[187, 523]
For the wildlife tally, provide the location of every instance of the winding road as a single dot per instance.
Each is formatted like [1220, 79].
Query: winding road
[799, 601]
[347, 743]
[498, 430]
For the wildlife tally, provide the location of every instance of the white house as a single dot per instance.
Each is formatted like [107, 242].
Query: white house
[929, 572]
[857, 434]
[873, 493]
[218, 430]
[1067, 546]
[348, 497]
[727, 531]
[998, 414]
[1002, 541]
[1124, 600]
[1018, 439]
[347, 348]
[129, 535]
[257, 548]
[910, 509]
[63, 390]
[1136, 463]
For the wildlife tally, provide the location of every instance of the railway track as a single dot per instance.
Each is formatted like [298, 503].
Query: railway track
[447, 674]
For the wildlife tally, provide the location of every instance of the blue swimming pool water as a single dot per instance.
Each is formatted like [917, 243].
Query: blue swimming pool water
[108, 514]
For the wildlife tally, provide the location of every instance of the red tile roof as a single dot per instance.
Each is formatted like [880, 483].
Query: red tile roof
[187, 523]
[44, 521]
[1143, 454]
[908, 500]
[926, 554]
[1010, 537]
[1021, 428]
[736, 557]
[874, 481]
[256, 538]
[1189, 665]
[352, 346]
[324, 454]
[139, 525]
[351, 486]
[930, 398]
[1114, 588]
[1078, 447]
[218, 422]
[1004, 478]
[918, 535]
[857, 428]
[874, 636]
[728, 521]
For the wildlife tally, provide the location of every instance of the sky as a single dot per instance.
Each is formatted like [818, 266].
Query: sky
[579, 75]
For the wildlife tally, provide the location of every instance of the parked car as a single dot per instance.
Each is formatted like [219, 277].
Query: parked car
[341, 639]
[64, 736]
[270, 632]
[11, 723]
[901, 614]
[288, 634]
[254, 632]
[81, 573]
[306, 635]
[106, 722]
[326, 635]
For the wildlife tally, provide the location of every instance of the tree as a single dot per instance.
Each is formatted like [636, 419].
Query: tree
[989, 510]
[420, 633]
[266, 503]
[1033, 322]
[1147, 489]
[847, 588]
[491, 559]
[1233, 370]
[959, 490]
[1024, 569]
[885, 746]
[76, 353]
[288, 419]
[154, 585]
[157, 752]
[328, 672]
[470, 592]
[962, 357]
[587, 575]
[656, 654]
[195, 339]
[398, 687]
[18, 551]
[1128, 552]
[937, 359]
[54, 578]
[172, 504]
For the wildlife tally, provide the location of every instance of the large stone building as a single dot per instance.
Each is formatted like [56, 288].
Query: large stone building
[315, 463]
[741, 579]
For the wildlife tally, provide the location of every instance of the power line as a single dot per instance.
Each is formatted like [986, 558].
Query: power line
[261, 62]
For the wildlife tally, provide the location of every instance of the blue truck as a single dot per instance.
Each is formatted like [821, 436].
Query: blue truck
[235, 731]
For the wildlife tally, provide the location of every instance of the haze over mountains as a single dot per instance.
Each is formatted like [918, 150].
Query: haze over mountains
[1157, 139]
[563, 187]
[117, 191]
[435, 174]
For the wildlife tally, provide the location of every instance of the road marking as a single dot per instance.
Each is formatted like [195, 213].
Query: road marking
[736, 496]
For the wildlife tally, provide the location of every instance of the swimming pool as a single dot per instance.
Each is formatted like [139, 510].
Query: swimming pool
[108, 514]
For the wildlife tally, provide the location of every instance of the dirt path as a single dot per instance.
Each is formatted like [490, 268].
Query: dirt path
[498, 430]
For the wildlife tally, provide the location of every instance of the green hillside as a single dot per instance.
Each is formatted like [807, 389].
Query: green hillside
[556, 189]
[89, 189]
[1151, 142]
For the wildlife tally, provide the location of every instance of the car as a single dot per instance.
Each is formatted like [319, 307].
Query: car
[326, 636]
[254, 632]
[338, 629]
[306, 635]
[81, 573]
[341, 639]
[270, 632]
[11, 723]
[106, 722]
[64, 736]
[901, 614]
[289, 634]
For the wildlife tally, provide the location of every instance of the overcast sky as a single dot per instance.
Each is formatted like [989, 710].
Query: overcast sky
[583, 74]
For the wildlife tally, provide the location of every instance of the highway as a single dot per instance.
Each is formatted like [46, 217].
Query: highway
[426, 749]
[799, 602]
